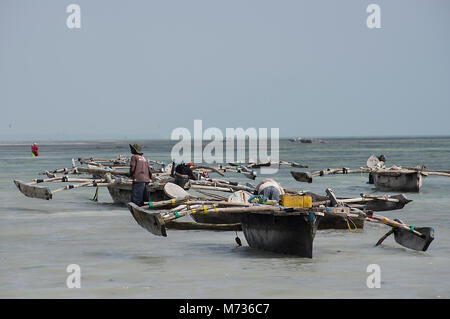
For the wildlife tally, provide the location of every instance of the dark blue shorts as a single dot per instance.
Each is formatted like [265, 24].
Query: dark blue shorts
[139, 193]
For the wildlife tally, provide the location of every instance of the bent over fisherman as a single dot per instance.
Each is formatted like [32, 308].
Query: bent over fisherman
[270, 189]
[182, 173]
[141, 174]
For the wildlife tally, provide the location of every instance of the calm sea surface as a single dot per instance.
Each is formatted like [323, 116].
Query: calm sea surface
[119, 259]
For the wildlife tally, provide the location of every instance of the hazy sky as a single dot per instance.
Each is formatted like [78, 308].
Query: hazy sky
[139, 69]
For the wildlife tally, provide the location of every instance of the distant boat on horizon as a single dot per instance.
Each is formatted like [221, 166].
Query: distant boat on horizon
[305, 140]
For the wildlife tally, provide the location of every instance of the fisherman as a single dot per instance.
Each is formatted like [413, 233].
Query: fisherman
[382, 158]
[182, 173]
[270, 189]
[141, 173]
[34, 150]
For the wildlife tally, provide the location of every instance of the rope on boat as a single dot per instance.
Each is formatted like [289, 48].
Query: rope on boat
[95, 198]
[348, 224]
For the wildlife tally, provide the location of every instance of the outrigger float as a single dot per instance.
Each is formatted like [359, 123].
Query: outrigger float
[405, 179]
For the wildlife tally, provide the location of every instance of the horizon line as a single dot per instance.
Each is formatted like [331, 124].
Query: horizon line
[106, 140]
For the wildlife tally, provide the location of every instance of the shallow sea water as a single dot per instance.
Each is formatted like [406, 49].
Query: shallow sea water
[119, 259]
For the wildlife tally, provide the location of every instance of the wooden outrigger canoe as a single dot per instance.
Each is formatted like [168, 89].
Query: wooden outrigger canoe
[121, 193]
[110, 173]
[366, 202]
[405, 179]
[383, 180]
[280, 230]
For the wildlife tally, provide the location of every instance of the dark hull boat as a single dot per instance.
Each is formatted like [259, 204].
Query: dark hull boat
[121, 193]
[213, 218]
[397, 181]
[326, 222]
[271, 229]
[281, 232]
[341, 222]
[406, 179]
[375, 203]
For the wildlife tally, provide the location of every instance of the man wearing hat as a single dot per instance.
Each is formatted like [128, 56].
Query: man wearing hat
[141, 173]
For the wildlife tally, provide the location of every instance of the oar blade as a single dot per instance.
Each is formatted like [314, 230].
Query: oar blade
[152, 222]
[410, 240]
